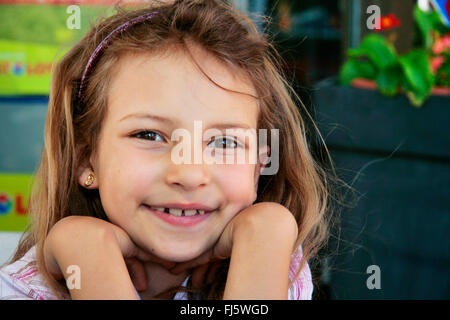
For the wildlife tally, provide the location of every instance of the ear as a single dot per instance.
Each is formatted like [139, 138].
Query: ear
[83, 178]
[84, 170]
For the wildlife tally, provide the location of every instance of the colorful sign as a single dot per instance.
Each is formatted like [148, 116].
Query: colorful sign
[15, 190]
[25, 67]
[33, 37]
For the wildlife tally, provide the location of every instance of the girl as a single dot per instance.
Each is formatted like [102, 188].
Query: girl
[111, 202]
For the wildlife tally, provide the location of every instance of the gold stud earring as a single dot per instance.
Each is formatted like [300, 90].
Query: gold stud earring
[89, 180]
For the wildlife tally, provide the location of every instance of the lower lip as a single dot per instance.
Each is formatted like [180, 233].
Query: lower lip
[182, 221]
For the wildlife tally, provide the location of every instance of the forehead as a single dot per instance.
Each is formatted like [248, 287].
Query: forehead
[172, 85]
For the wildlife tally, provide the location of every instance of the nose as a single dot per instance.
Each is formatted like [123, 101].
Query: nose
[188, 176]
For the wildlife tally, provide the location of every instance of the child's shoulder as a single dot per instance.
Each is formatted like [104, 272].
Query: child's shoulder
[21, 280]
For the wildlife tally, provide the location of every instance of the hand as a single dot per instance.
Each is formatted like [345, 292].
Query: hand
[135, 257]
[68, 235]
[205, 266]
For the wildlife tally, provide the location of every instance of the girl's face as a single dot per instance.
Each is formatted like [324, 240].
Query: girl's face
[149, 98]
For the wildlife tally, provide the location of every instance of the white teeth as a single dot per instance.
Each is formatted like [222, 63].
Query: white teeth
[179, 212]
[190, 212]
[175, 212]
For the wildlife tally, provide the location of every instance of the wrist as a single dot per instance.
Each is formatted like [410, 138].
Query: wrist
[263, 242]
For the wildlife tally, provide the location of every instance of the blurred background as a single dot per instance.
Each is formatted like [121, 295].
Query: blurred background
[373, 74]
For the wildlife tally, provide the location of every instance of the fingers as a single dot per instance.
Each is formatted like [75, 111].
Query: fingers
[212, 271]
[205, 274]
[198, 276]
[137, 273]
[204, 258]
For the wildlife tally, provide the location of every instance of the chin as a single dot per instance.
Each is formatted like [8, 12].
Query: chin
[178, 254]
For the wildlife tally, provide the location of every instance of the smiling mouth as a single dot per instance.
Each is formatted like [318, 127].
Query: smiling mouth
[177, 212]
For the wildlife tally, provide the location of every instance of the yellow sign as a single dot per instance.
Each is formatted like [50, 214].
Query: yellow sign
[15, 190]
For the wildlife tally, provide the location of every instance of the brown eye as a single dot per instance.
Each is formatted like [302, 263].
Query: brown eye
[148, 135]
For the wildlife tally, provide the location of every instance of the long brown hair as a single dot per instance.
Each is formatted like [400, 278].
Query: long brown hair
[72, 127]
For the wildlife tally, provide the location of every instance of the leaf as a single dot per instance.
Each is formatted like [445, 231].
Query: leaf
[389, 80]
[379, 51]
[418, 80]
[356, 69]
[416, 99]
[356, 52]
[417, 70]
[425, 22]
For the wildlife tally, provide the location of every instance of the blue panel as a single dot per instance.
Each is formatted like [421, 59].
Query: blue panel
[22, 121]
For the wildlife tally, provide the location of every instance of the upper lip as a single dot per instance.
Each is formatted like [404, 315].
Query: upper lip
[184, 206]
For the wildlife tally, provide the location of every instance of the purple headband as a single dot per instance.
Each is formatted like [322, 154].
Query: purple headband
[104, 44]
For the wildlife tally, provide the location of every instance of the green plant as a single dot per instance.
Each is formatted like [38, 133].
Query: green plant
[412, 73]
[436, 40]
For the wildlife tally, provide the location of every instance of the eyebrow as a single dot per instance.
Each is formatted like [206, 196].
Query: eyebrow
[171, 122]
[147, 116]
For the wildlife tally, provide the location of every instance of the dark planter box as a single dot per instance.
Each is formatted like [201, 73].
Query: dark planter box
[397, 159]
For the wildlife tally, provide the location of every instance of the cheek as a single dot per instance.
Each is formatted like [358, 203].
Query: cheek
[126, 178]
[237, 183]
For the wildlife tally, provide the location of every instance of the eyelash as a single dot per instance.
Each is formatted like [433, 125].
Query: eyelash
[142, 133]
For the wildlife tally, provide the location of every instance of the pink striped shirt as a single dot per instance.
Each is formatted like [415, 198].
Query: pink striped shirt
[21, 280]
